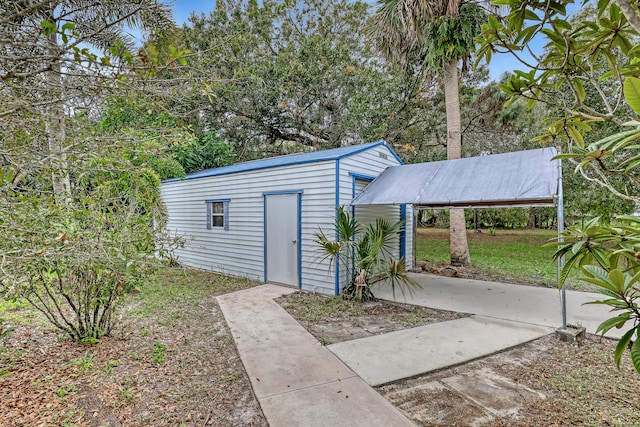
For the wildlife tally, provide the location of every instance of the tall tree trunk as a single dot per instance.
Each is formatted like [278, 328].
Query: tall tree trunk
[457, 228]
[56, 130]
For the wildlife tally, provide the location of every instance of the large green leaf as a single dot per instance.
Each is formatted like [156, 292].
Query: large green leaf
[616, 303]
[617, 279]
[635, 355]
[612, 322]
[632, 93]
[622, 346]
[597, 272]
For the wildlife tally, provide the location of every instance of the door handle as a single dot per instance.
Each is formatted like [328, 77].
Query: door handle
[294, 241]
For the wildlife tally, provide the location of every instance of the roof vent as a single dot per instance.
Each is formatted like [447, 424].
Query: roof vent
[383, 155]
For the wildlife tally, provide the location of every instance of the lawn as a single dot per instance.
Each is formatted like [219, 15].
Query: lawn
[505, 255]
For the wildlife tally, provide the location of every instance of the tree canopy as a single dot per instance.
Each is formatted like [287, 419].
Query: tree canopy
[279, 77]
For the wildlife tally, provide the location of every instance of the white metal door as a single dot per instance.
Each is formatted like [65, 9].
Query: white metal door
[282, 222]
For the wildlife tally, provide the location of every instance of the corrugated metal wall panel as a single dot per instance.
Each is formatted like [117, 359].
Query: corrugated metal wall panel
[408, 257]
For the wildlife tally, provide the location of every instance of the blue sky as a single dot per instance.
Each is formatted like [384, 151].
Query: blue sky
[183, 8]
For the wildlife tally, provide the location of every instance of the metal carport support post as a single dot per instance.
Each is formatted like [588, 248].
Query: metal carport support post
[560, 210]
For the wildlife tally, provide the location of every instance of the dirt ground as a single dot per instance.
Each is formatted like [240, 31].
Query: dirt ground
[551, 383]
[171, 362]
[333, 320]
[442, 268]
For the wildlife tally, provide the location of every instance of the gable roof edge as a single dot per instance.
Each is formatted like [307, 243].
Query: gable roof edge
[281, 161]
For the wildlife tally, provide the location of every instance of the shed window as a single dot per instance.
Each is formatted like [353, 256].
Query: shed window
[217, 214]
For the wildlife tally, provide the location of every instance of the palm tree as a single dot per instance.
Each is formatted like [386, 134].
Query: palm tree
[365, 253]
[438, 35]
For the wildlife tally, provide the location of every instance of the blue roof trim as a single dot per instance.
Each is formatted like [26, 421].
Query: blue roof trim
[289, 160]
[393, 152]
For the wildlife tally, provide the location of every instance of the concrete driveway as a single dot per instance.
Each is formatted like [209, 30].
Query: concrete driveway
[300, 382]
[503, 316]
[518, 303]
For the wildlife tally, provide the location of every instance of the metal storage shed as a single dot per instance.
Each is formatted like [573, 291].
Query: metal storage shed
[258, 219]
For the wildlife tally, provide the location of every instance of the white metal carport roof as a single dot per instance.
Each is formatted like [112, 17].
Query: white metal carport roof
[522, 178]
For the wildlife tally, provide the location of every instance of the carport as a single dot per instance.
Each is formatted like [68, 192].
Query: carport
[517, 179]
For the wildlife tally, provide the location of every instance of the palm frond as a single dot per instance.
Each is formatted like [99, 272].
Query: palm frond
[347, 225]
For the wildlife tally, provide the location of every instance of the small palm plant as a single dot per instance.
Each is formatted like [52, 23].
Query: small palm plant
[365, 252]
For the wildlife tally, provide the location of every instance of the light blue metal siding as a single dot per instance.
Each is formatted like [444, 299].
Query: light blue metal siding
[240, 250]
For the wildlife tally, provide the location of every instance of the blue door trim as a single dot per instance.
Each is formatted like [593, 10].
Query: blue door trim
[275, 193]
[300, 240]
[355, 177]
[363, 177]
[403, 232]
[337, 264]
[264, 233]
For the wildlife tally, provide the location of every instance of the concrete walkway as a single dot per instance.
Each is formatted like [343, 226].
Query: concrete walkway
[381, 359]
[297, 381]
[518, 303]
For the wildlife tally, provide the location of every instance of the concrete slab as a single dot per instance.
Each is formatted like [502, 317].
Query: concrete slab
[340, 403]
[470, 397]
[402, 354]
[433, 404]
[296, 380]
[527, 304]
[498, 395]
[277, 352]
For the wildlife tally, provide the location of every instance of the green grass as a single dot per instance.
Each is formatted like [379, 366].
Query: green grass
[16, 311]
[167, 287]
[505, 255]
[12, 305]
[170, 287]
